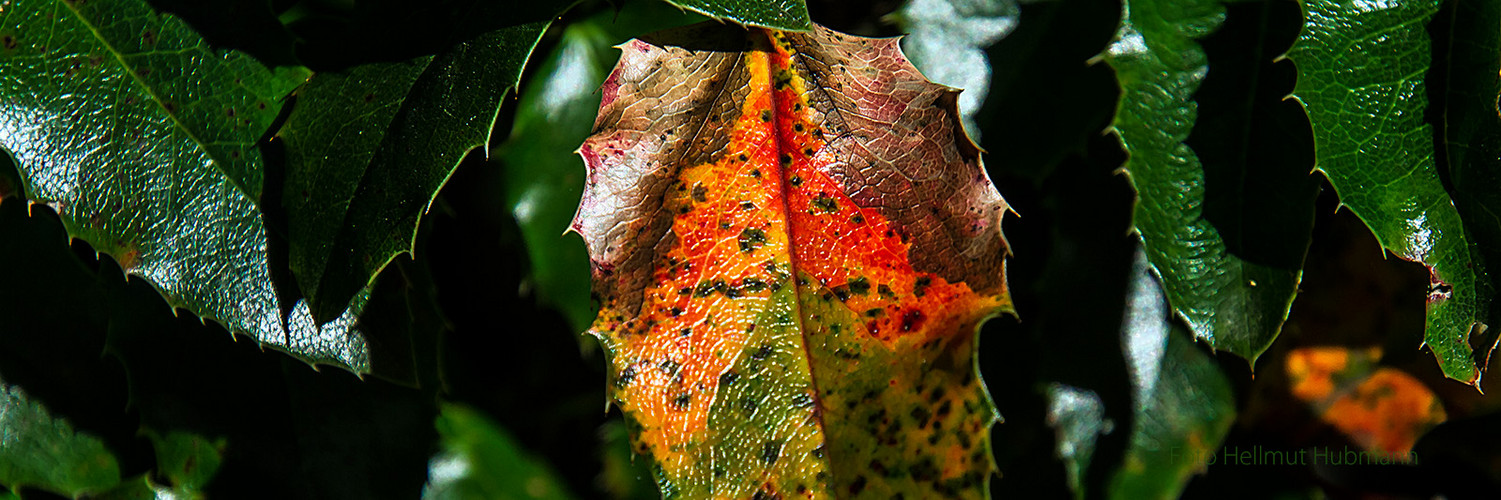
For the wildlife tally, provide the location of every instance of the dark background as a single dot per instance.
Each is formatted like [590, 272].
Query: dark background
[459, 323]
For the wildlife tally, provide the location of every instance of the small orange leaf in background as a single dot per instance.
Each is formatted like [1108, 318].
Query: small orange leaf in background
[794, 243]
[1381, 409]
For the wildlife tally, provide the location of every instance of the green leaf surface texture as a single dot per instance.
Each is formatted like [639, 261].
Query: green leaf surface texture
[946, 40]
[369, 148]
[1233, 304]
[141, 137]
[555, 113]
[480, 461]
[1361, 70]
[40, 451]
[789, 15]
[1472, 124]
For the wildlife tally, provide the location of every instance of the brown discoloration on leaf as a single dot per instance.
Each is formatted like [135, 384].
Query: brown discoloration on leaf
[793, 261]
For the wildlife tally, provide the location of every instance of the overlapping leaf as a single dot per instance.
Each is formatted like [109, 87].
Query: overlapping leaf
[1361, 72]
[794, 242]
[554, 113]
[141, 137]
[1471, 127]
[1234, 304]
[368, 149]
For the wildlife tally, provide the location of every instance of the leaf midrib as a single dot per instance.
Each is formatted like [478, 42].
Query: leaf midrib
[160, 103]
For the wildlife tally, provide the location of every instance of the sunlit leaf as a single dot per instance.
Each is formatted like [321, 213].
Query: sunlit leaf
[794, 243]
[142, 138]
[1361, 71]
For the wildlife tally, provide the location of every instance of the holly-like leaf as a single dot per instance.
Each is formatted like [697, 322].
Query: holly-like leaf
[794, 241]
[368, 149]
[142, 138]
[774, 14]
[1361, 75]
[1232, 303]
[1471, 126]
[554, 113]
[1382, 409]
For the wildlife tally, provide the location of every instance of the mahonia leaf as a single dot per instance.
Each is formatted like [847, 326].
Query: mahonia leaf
[368, 149]
[774, 14]
[554, 113]
[1360, 78]
[1232, 303]
[142, 138]
[1471, 127]
[1382, 409]
[794, 242]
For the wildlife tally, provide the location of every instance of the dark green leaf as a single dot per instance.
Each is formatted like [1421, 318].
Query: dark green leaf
[40, 451]
[1471, 126]
[368, 149]
[482, 461]
[774, 14]
[141, 136]
[556, 112]
[1233, 304]
[1361, 70]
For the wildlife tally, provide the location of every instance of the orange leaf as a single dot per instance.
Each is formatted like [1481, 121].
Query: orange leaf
[1381, 409]
[794, 243]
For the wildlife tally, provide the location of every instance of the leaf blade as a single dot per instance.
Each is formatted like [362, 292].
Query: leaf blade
[408, 125]
[126, 175]
[731, 198]
[1232, 303]
[1372, 144]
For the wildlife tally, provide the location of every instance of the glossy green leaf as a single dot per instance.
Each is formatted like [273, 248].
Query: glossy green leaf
[947, 39]
[141, 137]
[40, 451]
[1472, 125]
[481, 461]
[774, 14]
[369, 148]
[1361, 72]
[1234, 304]
[556, 113]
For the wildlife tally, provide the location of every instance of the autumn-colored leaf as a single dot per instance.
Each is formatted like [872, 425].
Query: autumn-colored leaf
[794, 242]
[1382, 409]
